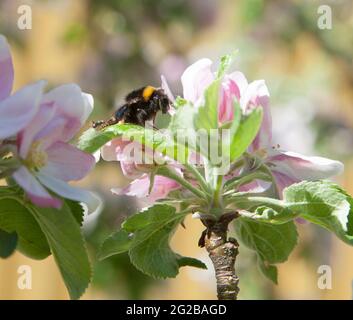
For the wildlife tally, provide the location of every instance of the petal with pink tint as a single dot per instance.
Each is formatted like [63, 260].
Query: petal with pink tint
[130, 170]
[70, 101]
[238, 78]
[114, 150]
[34, 189]
[161, 188]
[89, 104]
[140, 187]
[90, 199]
[231, 89]
[299, 167]
[60, 128]
[137, 188]
[6, 69]
[66, 162]
[282, 181]
[169, 94]
[196, 78]
[28, 135]
[255, 95]
[166, 88]
[256, 186]
[18, 110]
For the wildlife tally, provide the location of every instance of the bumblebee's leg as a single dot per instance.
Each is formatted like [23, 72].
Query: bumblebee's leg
[97, 123]
[101, 124]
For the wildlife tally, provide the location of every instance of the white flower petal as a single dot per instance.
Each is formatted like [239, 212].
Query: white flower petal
[17, 110]
[90, 199]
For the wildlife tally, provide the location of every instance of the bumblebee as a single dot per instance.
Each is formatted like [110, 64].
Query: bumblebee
[140, 105]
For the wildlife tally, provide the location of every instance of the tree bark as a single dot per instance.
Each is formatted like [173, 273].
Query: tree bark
[223, 253]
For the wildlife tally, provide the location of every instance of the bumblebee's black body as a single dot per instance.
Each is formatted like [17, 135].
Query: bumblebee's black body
[140, 105]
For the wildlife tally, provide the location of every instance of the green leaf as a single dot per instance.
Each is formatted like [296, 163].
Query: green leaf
[207, 115]
[179, 102]
[42, 231]
[116, 243]
[225, 63]
[271, 243]
[323, 203]
[15, 217]
[67, 245]
[8, 243]
[146, 237]
[92, 140]
[268, 270]
[191, 262]
[233, 127]
[76, 209]
[183, 119]
[245, 133]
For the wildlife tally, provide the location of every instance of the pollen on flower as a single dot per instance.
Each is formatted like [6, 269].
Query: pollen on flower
[36, 158]
[262, 153]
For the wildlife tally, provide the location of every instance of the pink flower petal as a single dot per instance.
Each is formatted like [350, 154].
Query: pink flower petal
[166, 88]
[283, 181]
[90, 199]
[28, 135]
[34, 189]
[232, 86]
[139, 188]
[66, 162]
[6, 69]
[19, 109]
[114, 150]
[169, 93]
[238, 78]
[161, 188]
[71, 101]
[255, 95]
[130, 170]
[299, 167]
[301, 221]
[256, 186]
[196, 78]
[60, 128]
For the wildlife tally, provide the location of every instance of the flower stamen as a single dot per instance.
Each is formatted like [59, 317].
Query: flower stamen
[37, 157]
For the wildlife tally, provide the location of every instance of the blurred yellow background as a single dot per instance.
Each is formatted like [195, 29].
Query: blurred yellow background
[110, 47]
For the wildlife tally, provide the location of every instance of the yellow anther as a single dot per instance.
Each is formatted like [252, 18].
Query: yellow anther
[36, 158]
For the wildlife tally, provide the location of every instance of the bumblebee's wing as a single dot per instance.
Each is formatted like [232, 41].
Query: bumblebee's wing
[120, 113]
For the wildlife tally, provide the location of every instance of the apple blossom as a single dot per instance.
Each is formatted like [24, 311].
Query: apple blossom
[249, 191]
[134, 168]
[287, 167]
[42, 125]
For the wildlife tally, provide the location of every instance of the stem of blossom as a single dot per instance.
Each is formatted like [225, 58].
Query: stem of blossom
[199, 177]
[217, 202]
[223, 253]
[247, 177]
[169, 173]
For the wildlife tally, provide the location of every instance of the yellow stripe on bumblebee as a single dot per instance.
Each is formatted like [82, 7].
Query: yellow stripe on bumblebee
[147, 92]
